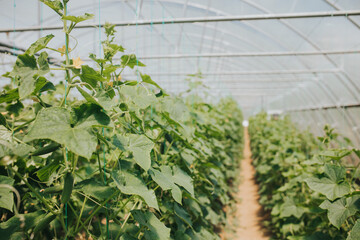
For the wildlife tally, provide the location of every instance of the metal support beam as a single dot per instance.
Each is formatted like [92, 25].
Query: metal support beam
[252, 17]
[325, 108]
[306, 71]
[251, 54]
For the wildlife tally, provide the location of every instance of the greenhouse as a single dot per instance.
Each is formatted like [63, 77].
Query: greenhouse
[180, 119]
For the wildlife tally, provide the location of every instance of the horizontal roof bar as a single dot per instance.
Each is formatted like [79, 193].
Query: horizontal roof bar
[201, 19]
[357, 105]
[305, 71]
[250, 54]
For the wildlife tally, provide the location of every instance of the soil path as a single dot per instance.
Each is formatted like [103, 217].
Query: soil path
[248, 216]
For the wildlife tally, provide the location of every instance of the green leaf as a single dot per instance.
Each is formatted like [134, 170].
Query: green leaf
[55, 124]
[137, 97]
[20, 222]
[110, 49]
[101, 98]
[147, 79]
[181, 178]
[341, 209]
[334, 172]
[165, 181]
[155, 228]
[131, 61]
[6, 195]
[26, 68]
[3, 121]
[131, 184]
[39, 44]
[331, 189]
[77, 19]
[5, 134]
[139, 145]
[182, 214]
[55, 5]
[90, 76]
[93, 188]
[289, 208]
[336, 154]
[43, 64]
[10, 95]
[355, 231]
[44, 173]
[90, 115]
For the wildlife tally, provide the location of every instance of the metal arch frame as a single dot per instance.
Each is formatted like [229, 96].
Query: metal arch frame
[337, 8]
[289, 26]
[251, 54]
[311, 43]
[219, 13]
[207, 9]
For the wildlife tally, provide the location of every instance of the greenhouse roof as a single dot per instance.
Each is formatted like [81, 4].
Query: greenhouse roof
[300, 57]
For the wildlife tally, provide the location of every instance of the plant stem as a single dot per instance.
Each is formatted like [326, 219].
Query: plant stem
[34, 191]
[98, 208]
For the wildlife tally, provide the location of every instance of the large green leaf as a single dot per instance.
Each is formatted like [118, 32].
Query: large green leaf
[93, 188]
[27, 69]
[355, 231]
[6, 195]
[341, 209]
[131, 184]
[137, 97]
[77, 19]
[56, 124]
[166, 182]
[39, 44]
[90, 76]
[328, 187]
[155, 228]
[139, 145]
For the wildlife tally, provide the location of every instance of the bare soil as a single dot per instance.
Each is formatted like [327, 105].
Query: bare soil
[248, 217]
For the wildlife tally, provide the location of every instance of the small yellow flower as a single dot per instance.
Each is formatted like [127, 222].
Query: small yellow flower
[62, 50]
[77, 62]
[119, 78]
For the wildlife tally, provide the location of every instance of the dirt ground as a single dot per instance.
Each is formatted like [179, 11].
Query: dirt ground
[247, 220]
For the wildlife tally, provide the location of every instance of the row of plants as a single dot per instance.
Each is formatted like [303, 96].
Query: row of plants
[308, 188]
[99, 157]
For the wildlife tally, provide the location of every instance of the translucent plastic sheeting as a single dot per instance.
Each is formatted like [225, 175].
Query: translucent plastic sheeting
[290, 83]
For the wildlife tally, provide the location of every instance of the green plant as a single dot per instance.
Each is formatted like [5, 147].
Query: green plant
[124, 161]
[308, 189]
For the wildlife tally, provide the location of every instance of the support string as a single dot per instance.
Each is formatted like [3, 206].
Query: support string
[103, 134]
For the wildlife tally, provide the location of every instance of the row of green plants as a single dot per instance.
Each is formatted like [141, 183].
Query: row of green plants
[308, 188]
[99, 157]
